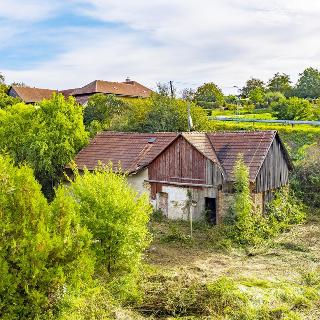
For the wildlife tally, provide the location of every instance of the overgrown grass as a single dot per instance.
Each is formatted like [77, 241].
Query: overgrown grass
[171, 295]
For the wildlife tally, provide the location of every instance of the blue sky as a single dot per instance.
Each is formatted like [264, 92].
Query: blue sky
[66, 44]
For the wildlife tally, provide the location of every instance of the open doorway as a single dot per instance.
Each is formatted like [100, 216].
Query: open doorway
[211, 210]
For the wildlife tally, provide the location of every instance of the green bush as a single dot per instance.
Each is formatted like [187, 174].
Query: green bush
[247, 227]
[44, 252]
[117, 217]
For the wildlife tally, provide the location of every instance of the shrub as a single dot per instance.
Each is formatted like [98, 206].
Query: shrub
[117, 218]
[250, 227]
[44, 252]
[306, 179]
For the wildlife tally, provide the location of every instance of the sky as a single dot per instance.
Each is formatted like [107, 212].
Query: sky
[67, 44]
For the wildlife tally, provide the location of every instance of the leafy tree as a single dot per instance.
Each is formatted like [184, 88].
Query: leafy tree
[308, 85]
[280, 83]
[43, 249]
[2, 78]
[103, 108]
[256, 96]
[159, 113]
[164, 89]
[250, 85]
[273, 98]
[188, 94]
[242, 211]
[116, 216]
[294, 109]
[47, 136]
[209, 96]
[172, 115]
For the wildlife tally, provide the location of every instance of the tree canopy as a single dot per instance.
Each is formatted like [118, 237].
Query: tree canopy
[250, 85]
[280, 83]
[208, 96]
[308, 85]
[46, 136]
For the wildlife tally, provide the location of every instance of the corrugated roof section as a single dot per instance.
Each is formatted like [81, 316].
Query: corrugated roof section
[132, 150]
[253, 145]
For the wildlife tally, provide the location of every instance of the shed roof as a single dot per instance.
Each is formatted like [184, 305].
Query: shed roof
[136, 150]
[32, 95]
[127, 89]
[132, 150]
[253, 145]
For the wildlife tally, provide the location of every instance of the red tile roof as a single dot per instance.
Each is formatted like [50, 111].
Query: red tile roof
[132, 150]
[31, 95]
[253, 145]
[126, 89]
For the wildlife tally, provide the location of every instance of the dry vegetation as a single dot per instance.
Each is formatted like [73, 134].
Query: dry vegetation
[206, 278]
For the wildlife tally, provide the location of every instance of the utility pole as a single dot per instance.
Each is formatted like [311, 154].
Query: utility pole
[171, 89]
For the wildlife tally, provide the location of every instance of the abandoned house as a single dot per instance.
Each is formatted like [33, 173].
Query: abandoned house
[174, 168]
[127, 89]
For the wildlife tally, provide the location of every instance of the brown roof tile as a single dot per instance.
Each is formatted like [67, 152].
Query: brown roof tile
[127, 89]
[253, 145]
[32, 95]
[132, 150]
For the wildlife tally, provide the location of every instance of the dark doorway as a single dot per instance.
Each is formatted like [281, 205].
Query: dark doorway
[211, 210]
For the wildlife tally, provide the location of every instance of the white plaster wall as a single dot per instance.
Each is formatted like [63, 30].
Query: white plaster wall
[137, 181]
[177, 200]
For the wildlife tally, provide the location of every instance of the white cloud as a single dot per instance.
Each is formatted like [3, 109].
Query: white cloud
[189, 41]
[29, 10]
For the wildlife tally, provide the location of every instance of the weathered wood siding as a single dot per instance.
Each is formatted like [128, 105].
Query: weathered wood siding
[274, 171]
[183, 163]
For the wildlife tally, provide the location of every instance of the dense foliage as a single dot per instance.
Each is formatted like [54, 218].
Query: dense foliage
[247, 225]
[157, 113]
[209, 95]
[116, 216]
[46, 136]
[43, 249]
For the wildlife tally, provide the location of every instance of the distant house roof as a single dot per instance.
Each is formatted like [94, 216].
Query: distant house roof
[136, 150]
[125, 89]
[31, 95]
[133, 151]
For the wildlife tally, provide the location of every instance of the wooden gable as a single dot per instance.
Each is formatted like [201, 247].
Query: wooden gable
[274, 171]
[182, 163]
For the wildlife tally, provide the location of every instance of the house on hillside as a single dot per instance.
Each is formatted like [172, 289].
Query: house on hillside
[174, 168]
[127, 89]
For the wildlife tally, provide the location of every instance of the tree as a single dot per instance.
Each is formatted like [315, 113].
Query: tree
[308, 85]
[116, 216]
[172, 115]
[159, 113]
[256, 96]
[44, 251]
[103, 108]
[46, 136]
[280, 83]
[294, 109]
[209, 96]
[273, 98]
[164, 89]
[188, 94]
[250, 85]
